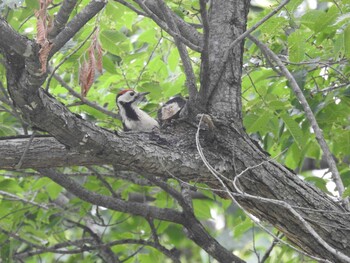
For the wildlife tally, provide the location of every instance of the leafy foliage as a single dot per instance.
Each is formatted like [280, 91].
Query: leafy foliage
[34, 211]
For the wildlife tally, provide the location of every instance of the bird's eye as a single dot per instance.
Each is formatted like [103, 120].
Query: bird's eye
[132, 94]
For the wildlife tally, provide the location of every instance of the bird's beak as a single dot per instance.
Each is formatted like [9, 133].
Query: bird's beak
[141, 96]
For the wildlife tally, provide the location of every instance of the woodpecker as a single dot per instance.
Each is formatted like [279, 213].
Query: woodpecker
[171, 109]
[133, 118]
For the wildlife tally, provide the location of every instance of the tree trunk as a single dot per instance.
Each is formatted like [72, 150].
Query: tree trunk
[268, 190]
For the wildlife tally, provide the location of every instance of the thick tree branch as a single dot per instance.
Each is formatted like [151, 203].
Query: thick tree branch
[188, 34]
[197, 232]
[76, 24]
[11, 40]
[62, 17]
[110, 202]
[43, 152]
[231, 150]
[227, 20]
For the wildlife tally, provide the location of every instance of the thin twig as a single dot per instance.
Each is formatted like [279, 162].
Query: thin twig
[309, 115]
[17, 198]
[190, 76]
[131, 7]
[148, 60]
[332, 88]
[269, 250]
[164, 26]
[83, 99]
[105, 183]
[20, 163]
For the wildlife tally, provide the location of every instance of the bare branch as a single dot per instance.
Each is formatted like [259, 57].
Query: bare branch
[332, 88]
[112, 203]
[104, 182]
[25, 201]
[83, 99]
[76, 24]
[309, 115]
[104, 250]
[188, 34]
[205, 70]
[148, 60]
[19, 165]
[37, 154]
[171, 191]
[62, 17]
[190, 76]
[271, 247]
[131, 7]
[173, 254]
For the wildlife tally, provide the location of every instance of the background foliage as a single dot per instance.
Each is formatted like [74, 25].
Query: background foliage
[313, 38]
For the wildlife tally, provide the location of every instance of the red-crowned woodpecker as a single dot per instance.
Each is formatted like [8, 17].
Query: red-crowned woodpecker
[133, 118]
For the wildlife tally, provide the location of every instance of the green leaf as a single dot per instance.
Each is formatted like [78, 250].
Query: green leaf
[319, 182]
[10, 185]
[318, 20]
[293, 127]
[346, 192]
[173, 59]
[53, 190]
[256, 123]
[242, 228]
[347, 41]
[310, 18]
[202, 209]
[296, 46]
[293, 157]
[112, 41]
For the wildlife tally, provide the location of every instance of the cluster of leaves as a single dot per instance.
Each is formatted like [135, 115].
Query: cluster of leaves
[313, 43]
[137, 54]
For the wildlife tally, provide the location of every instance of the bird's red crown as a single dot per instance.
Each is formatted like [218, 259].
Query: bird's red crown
[124, 91]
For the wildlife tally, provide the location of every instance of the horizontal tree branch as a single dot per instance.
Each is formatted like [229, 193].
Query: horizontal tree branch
[111, 202]
[43, 152]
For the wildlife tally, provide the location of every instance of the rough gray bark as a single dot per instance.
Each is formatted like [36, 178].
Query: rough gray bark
[43, 152]
[173, 150]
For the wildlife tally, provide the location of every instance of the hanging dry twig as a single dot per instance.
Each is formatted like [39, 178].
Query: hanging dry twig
[43, 28]
[89, 67]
